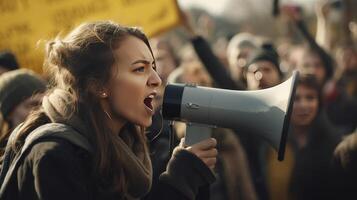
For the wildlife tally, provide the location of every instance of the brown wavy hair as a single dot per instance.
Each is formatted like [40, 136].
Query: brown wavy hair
[78, 64]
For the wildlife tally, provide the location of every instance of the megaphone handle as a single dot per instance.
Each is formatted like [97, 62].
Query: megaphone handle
[196, 133]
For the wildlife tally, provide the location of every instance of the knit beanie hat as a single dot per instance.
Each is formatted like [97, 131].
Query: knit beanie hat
[8, 60]
[267, 55]
[16, 86]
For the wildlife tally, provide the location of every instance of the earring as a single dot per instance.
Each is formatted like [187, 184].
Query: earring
[103, 94]
[108, 115]
[154, 137]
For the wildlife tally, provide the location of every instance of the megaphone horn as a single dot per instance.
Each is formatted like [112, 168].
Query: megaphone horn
[265, 113]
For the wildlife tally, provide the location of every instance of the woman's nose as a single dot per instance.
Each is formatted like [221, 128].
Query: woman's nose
[154, 79]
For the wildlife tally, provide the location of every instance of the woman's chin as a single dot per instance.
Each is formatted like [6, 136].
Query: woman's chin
[146, 123]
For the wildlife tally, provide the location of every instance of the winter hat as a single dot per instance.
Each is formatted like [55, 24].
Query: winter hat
[266, 54]
[16, 86]
[8, 60]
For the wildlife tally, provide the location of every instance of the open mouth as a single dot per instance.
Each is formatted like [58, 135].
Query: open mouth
[148, 102]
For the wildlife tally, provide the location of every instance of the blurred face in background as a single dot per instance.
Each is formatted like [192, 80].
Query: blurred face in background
[242, 56]
[239, 49]
[311, 63]
[165, 61]
[22, 110]
[238, 60]
[195, 73]
[305, 106]
[262, 74]
[3, 69]
[347, 59]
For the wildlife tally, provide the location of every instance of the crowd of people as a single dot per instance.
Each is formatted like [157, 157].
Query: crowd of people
[92, 128]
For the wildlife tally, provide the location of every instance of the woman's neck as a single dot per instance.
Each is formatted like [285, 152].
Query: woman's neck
[115, 122]
[116, 126]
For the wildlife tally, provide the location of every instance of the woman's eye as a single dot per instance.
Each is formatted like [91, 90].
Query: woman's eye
[139, 69]
[311, 97]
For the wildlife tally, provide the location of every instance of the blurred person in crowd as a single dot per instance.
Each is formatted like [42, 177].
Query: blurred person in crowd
[285, 50]
[263, 70]
[341, 92]
[311, 62]
[346, 57]
[21, 91]
[7, 62]
[187, 54]
[341, 106]
[103, 81]
[314, 59]
[222, 77]
[232, 170]
[166, 60]
[240, 49]
[312, 140]
[191, 72]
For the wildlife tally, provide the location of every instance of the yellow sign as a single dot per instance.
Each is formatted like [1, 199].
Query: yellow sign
[24, 23]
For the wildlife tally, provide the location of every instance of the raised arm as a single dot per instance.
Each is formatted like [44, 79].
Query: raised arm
[205, 53]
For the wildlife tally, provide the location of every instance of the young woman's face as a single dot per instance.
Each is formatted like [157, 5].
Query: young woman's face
[134, 83]
[23, 109]
[305, 106]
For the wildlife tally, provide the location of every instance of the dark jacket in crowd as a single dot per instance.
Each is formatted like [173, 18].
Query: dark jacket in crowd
[311, 177]
[341, 103]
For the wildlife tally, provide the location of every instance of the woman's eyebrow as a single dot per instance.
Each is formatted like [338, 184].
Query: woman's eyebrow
[141, 61]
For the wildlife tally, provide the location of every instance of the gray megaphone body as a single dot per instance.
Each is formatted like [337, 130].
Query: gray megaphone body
[265, 113]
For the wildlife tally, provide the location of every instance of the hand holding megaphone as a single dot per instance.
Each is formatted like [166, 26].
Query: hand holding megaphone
[205, 150]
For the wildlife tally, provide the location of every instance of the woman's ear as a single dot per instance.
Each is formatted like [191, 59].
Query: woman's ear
[98, 89]
[102, 92]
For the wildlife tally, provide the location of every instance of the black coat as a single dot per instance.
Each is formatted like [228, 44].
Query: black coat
[312, 178]
[160, 147]
[55, 168]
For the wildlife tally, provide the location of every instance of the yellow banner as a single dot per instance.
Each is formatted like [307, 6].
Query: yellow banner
[24, 23]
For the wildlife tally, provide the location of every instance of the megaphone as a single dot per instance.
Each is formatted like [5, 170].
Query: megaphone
[263, 112]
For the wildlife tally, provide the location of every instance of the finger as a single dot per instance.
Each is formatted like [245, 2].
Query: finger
[182, 142]
[207, 153]
[210, 162]
[205, 144]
